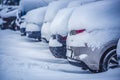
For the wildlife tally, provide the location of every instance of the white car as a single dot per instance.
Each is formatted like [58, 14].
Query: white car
[8, 16]
[59, 28]
[24, 7]
[51, 12]
[34, 20]
[93, 35]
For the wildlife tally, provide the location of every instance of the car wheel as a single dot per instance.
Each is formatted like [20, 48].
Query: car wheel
[110, 60]
[58, 52]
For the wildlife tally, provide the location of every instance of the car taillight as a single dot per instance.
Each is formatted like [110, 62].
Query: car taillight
[59, 37]
[74, 32]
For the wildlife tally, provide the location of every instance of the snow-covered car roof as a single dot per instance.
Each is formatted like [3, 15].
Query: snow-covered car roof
[53, 8]
[27, 5]
[96, 15]
[60, 22]
[36, 15]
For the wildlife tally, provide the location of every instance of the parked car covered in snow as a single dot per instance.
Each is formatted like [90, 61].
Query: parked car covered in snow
[24, 7]
[34, 20]
[93, 35]
[51, 12]
[59, 28]
[8, 16]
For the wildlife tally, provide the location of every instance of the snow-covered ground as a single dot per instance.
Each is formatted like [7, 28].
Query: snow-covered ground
[25, 59]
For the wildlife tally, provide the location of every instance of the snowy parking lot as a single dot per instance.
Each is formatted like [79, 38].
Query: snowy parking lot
[26, 59]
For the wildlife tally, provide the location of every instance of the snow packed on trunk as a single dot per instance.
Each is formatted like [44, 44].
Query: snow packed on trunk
[36, 15]
[51, 12]
[98, 19]
[35, 18]
[60, 22]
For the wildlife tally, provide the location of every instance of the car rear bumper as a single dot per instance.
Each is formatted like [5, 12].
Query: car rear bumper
[34, 34]
[84, 57]
[61, 51]
[77, 63]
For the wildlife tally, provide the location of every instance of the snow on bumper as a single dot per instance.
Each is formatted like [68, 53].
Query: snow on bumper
[54, 43]
[84, 55]
[33, 27]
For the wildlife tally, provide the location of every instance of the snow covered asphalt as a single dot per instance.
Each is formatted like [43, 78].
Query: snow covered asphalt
[25, 59]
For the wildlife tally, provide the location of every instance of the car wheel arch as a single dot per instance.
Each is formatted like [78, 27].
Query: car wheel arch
[105, 50]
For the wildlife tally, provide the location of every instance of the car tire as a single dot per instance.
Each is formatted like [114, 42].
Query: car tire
[110, 60]
[58, 52]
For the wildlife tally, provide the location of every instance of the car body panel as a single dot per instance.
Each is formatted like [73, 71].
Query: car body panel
[102, 29]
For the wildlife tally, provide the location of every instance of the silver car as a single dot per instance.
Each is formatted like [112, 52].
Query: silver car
[93, 35]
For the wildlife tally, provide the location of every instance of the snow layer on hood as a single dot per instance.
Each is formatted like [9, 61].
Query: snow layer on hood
[36, 15]
[96, 15]
[53, 8]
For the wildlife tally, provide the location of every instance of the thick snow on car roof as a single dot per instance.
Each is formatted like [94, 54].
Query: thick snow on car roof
[26, 5]
[53, 8]
[60, 22]
[36, 15]
[100, 14]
